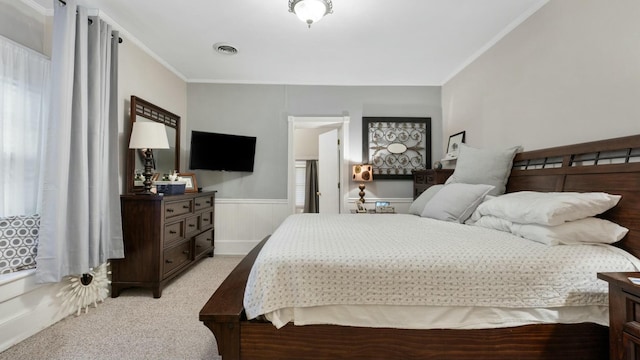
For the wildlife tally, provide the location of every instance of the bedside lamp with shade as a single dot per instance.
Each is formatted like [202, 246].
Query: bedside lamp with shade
[148, 136]
[362, 173]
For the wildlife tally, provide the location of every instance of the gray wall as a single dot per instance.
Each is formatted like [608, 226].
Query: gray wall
[570, 73]
[262, 111]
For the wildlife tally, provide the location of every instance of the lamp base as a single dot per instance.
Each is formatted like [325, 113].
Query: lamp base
[361, 193]
[148, 165]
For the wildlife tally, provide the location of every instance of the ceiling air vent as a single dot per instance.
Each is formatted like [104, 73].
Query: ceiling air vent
[225, 49]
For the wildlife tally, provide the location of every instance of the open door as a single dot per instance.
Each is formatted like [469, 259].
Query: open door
[337, 154]
[329, 172]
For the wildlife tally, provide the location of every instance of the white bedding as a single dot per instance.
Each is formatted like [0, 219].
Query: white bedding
[397, 260]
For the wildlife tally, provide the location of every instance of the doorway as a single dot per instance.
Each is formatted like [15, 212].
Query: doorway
[331, 194]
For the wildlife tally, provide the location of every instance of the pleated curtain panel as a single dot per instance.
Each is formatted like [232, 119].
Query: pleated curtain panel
[311, 199]
[80, 225]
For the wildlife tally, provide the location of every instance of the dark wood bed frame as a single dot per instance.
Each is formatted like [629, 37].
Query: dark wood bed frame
[580, 167]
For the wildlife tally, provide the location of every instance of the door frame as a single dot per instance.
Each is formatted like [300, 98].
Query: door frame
[339, 122]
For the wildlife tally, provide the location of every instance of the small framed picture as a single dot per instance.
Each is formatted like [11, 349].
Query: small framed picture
[190, 178]
[360, 207]
[453, 147]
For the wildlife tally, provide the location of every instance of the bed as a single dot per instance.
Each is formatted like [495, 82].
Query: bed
[608, 166]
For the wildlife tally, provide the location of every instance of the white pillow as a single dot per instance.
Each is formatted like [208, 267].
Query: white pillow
[483, 166]
[551, 208]
[418, 204]
[455, 202]
[589, 230]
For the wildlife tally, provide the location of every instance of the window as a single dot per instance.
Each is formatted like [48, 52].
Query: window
[24, 99]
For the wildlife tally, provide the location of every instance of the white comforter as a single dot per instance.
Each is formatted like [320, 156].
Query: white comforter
[314, 260]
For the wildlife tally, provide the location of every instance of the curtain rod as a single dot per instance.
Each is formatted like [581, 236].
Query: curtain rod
[90, 21]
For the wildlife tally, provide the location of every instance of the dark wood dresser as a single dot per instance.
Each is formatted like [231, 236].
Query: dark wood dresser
[423, 179]
[163, 236]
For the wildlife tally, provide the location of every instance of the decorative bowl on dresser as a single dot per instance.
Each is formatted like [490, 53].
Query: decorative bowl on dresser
[163, 237]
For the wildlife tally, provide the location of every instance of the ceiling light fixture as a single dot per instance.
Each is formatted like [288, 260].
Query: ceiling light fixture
[310, 11]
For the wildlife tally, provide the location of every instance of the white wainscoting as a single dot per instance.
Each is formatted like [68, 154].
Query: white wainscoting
[242, 223]
[27, 307]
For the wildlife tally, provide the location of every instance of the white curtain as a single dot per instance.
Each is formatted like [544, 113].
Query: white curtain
[24, 101]
[80, 226]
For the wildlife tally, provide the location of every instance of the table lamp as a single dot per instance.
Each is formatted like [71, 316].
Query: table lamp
[362, 173]
[148, 136]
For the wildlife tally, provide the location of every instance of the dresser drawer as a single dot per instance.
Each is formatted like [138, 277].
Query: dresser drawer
[631, 346]
[177, 208]
[174, 257]
[633, 308]
[173, 232]
[203, 202]
[420, 178]
[206, 219]
[204, 242]
[192, 225]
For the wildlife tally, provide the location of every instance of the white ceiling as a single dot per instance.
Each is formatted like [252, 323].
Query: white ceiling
[364, 42]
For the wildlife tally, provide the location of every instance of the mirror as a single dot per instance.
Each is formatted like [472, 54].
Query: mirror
[165, 160]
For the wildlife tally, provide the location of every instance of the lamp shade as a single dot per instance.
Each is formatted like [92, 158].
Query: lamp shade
[148, 135]
[362, 173]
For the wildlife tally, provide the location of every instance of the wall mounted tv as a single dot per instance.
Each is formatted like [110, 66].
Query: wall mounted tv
[214, 151]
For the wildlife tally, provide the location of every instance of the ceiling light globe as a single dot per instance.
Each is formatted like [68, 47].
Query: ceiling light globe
[310, 11]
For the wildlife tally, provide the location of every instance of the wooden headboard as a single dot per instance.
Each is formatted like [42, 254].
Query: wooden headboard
[611, 166]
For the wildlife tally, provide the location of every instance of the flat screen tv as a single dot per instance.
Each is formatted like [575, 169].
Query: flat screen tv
[214, 151]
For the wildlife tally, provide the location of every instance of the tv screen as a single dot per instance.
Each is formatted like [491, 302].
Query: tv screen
[214, 151]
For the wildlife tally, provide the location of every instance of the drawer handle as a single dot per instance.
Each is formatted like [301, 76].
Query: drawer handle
[208, 239]
[208, 201]
[205, 220]
[192, 225]
[172, 232]
[185, 206]
[169, 210]
[429, 178]
[197, 204]
[186, 252]
[169, 261]
[198, 246]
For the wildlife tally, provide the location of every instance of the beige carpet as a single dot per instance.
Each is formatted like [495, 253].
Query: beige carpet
[137, 326]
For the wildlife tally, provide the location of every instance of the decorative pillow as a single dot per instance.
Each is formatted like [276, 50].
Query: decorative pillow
[455, 202]
[18, 242]
[552, 208]
[418, 204]
[483, 166]
[589, 230]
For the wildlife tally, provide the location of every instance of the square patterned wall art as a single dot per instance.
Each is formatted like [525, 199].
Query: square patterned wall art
[395, 146]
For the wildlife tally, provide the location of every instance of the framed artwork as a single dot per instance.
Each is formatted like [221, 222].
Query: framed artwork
[453, 147]
[396, 146]
[190, 178]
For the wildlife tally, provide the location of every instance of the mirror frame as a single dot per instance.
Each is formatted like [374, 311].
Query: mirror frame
[147, 110]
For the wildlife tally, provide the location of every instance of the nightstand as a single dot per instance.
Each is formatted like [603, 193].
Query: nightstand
[423, 179]
[624, 315]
